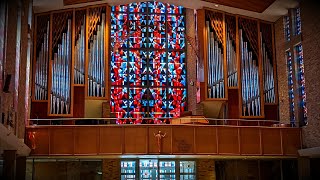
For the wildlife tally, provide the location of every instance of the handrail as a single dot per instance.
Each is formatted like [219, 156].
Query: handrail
[180, 120]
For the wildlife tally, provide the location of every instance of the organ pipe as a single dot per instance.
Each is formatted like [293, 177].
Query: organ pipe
[41, 71]
[96, 63]
[231, 61]
[268, 77]
[250, 89]
[61, 78]
[215, 65]
[79, 52]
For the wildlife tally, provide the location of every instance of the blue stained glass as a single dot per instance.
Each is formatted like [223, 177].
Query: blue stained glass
[290, 85]
[301, 81]
[143, 64]
[286, 23]
[298, 21]
[138, 7]
[156, 7]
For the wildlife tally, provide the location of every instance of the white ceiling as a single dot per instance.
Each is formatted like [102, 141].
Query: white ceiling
[272, 13]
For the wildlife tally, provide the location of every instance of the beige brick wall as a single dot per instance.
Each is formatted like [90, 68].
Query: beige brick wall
[206, 169]
[310, 19]
[111, 169]
[191, 62]
[282, 72]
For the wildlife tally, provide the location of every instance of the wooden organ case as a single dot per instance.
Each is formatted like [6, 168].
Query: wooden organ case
[239, 60]
[70, 59]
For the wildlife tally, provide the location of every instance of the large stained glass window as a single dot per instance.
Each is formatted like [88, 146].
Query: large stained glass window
[301, 84]
[148, 60]
[290, 86]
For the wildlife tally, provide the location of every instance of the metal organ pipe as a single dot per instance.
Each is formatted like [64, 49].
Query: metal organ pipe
[96, 66]
[268, 78]
[61, 79]
[249, 80]
[231, 62]
[41, 74]
[79, 56]
[215, 67]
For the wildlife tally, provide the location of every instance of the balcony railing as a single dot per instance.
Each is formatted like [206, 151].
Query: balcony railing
[192, 136]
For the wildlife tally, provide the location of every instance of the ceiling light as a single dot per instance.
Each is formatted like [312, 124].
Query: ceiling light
[216, 5]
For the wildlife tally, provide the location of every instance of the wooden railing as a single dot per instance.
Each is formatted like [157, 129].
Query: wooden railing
[179, 139]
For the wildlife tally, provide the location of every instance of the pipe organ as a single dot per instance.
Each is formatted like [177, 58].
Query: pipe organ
[42, 58]
[79, 49]
[267, 60]
[96, 51]
[215, 56]
[70, 54]
[249, 63]
[232, 65]
[60, 94]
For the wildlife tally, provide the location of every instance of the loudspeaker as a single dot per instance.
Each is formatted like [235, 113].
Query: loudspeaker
[7, 83]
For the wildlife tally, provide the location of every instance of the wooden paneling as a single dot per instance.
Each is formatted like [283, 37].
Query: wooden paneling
[61, 141]
[135, 140]
[206, 140]
[271, 112]
[183, 140]
[166, 142]
[71, 2]
[291, 141]
[250, 5]
[41, 141]
[250, 141]
[233, 104]
[86, 140]
[140, 139]
[228, 142]
[78, 100]
[111, 140]
[271, 141]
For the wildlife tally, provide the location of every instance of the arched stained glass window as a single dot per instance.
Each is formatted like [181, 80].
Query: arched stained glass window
[148, 60]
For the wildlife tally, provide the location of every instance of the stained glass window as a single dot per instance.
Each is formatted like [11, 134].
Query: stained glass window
[286, 23]
[148, 60]
[301, 83]
[290, 86]
[297, 21]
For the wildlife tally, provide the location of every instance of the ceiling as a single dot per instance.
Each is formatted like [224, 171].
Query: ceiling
[271, 13]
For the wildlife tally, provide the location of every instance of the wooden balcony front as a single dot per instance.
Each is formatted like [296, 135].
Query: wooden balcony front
[188, 139]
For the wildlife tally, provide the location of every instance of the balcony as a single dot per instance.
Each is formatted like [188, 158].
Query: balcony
[179, 139]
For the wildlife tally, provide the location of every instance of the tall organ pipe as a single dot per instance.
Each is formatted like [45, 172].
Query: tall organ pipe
[250, 89]
[41, 72]
[61, 79]
[215, 66]
[268, 77]
[96, 79]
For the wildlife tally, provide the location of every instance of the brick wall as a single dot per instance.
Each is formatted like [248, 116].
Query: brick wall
[310, 21]
[282, 72]
[206, 169]
[191, 62]
[111, 169]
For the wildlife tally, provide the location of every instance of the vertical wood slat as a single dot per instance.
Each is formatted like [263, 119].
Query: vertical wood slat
[86, 82]
[261, 80]
[107, 53]
[225, 64]
[50, 64]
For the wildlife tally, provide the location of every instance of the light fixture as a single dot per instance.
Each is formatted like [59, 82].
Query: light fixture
[216, 5]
